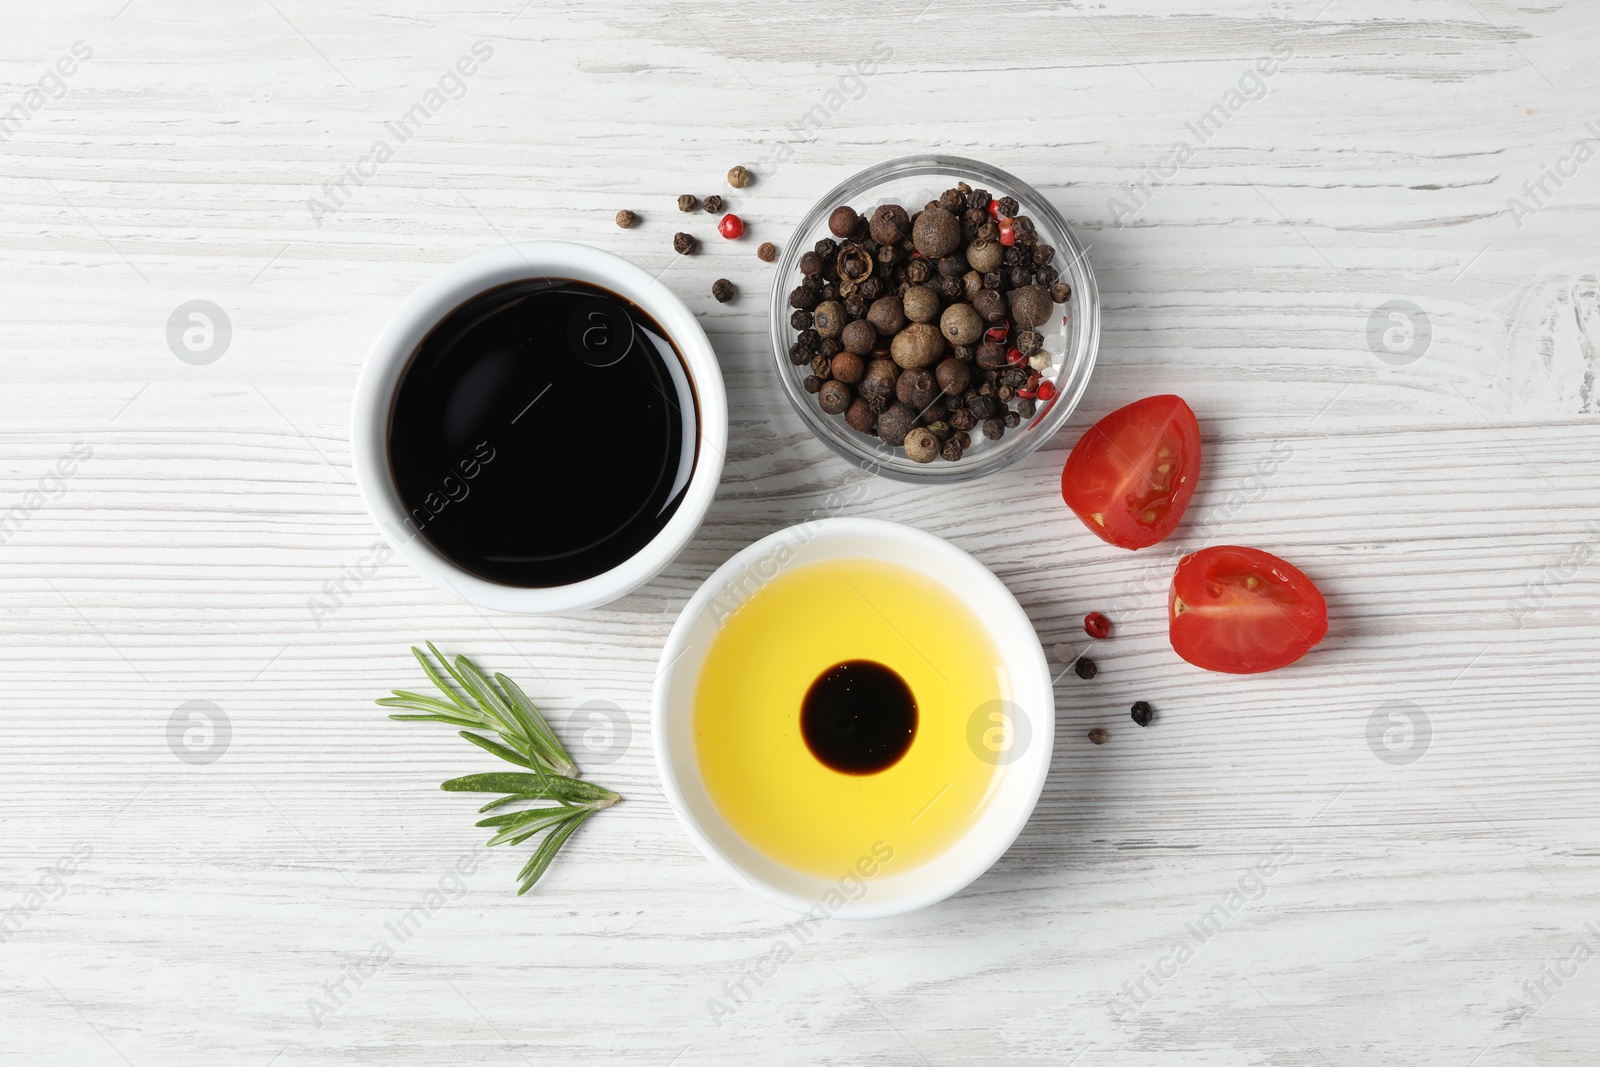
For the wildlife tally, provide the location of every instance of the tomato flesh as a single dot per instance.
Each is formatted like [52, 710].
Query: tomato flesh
[1243, 611]
[1131, 475]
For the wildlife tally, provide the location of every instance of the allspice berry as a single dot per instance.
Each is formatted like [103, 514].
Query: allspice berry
[922, 445]
[860, 417]
[895, 422]
[723, 290]
[984, 256]
[890, 224]
[848, 367]
[917, 388]
[828, 318]
[688, 202]
[936, 232]
[921, 304]
[1031, 306]
[990, 305]
[960, 324]
[887, 315]
[739, 177]
[858, 337]
[767, 252]
[918, 345]
[843, 222]
[953, 375]
[627, 219]
[835, 397]
[878, 383]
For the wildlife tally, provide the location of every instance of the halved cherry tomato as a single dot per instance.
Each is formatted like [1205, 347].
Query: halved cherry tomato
[1243, 611]
[1130, 477]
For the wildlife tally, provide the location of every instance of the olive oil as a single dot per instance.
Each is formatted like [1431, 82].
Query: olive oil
[833, 711]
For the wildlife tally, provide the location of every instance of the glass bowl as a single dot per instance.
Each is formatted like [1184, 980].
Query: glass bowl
[1072, 340]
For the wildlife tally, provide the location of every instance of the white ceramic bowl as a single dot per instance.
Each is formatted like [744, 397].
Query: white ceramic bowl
[1027, 760]
[424, 309]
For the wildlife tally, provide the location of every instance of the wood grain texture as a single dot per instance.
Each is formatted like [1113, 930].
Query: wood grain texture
[1445, 507]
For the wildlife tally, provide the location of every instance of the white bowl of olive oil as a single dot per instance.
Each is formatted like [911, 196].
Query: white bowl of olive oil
[853, 718]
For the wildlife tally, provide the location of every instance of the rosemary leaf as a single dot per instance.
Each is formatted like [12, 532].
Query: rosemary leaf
[526, 739]
[500, 750]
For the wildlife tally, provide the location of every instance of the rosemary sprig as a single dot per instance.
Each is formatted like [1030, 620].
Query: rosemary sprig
[526, 740]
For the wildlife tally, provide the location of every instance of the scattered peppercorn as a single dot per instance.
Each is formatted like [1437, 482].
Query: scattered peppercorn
[1096, 625]
[723, 290]
[713, 204]
[922, 445]
[731, 226]
[739, 177]
[626, 219]
[1142, 712]
[684, 244]
[1098, 736]
[767, 252]
[1085, 668]
[688, 202]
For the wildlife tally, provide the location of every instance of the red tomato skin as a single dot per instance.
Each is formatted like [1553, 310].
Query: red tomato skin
[1117, 526]
[1214, 637]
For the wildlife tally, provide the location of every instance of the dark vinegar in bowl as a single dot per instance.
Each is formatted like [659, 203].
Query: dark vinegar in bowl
[543, 433]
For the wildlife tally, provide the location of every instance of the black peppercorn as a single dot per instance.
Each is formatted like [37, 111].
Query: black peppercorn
[812, 383]
[1046, 275]
[1029, 342]
[1042, 255]
[1013, 420]
[822, 366]
[831, 347]
[723, 290]
[739, 177]
[1014, 256]
[688, 202]
[799, 354]
[994, 429]
[992, 280]
[1019, 276]
[951, 451]
[713, 205]
[855, 307]
[810, 264]
[767, 252]
[978, 199]
[799, 320]
[684, 243]
[810, 340]
[917, 271]
[1085, 668]
[984, 409]
[1142, 712]
[1061, 292]
[827, 248]
[962, 419]
[626, 219]
[1007, 206]
[1026, 408]
[953, 201]
[963, 438]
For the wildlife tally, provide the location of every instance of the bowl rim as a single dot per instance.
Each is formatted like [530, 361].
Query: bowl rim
[424, 308]
[847, 443]
[1028, 664]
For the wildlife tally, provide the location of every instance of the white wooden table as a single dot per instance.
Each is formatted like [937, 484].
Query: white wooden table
[1423, 788]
